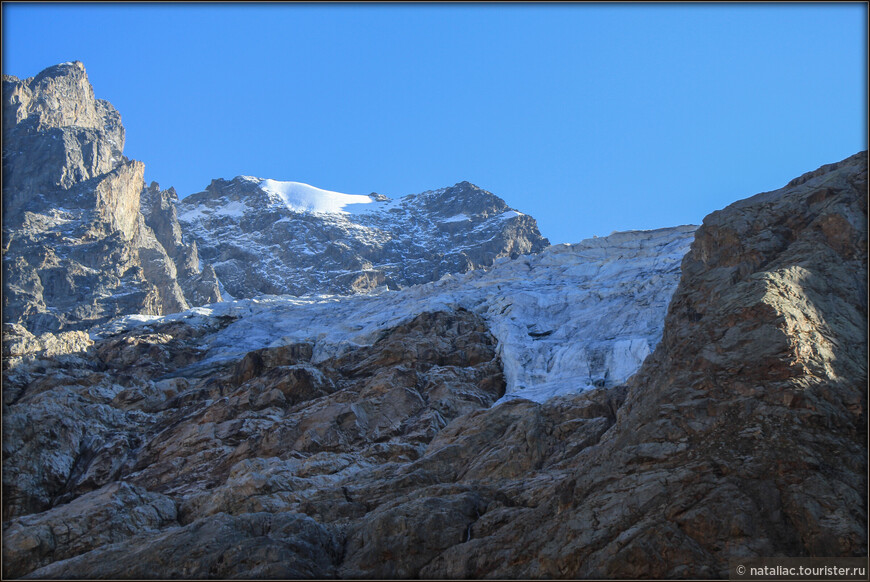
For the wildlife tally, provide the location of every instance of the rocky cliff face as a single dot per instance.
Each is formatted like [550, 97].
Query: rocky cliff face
[270, 237]
[115, 444]
[153, 450]
[77, 249]
[158, 207]
[744, 434]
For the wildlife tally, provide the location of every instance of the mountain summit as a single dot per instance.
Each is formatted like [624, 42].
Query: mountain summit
[79, 240]
[270, 237]
[85, 240]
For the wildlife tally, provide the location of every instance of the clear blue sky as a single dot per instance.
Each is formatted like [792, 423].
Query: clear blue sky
[591, 118]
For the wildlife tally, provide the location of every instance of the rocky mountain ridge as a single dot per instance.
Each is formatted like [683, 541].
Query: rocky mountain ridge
[648, 404]
[77, 248]
[85, 240]
[271, 237]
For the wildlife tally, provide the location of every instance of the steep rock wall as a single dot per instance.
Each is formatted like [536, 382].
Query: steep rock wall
[76, 249]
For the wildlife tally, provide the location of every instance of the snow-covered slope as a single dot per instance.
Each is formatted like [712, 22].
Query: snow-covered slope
[566, 319]
[299, 197]
[271, 237]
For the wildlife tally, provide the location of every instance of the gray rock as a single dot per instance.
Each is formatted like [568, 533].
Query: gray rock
[78, 247]
[252, 546]
[109, 515]
[96, 443]
[258, 245]
[199, 286]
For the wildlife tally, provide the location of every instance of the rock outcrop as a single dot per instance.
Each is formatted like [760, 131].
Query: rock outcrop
[744, 434]
[76, 247]
[269, 237]
[100, 451]
[158, 207]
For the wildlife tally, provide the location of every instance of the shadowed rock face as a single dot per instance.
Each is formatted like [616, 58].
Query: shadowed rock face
[260, 245]
[158, 209]
[77, 249]
[744, 434]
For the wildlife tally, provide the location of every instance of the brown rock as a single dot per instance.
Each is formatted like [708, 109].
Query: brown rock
[112, 514]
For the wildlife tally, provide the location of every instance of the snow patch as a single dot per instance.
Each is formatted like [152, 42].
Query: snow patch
[462, 217]
[195, 214]
[303, 198]
[235, 208]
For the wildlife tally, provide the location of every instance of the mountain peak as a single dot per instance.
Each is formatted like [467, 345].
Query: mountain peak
[71, 194]
[74, 68]
[322, 241]
[59, 96]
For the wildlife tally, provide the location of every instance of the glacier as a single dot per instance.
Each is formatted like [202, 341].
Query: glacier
[572, 317]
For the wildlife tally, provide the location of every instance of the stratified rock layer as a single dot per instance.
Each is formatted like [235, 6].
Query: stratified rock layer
[261, 243]
[77, 249]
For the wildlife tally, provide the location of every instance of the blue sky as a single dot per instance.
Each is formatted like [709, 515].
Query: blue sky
[591, 118]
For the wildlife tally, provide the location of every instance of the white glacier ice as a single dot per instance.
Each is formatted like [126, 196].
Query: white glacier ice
[566, 319]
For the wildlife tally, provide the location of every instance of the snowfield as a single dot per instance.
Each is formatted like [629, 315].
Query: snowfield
[299, 197]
